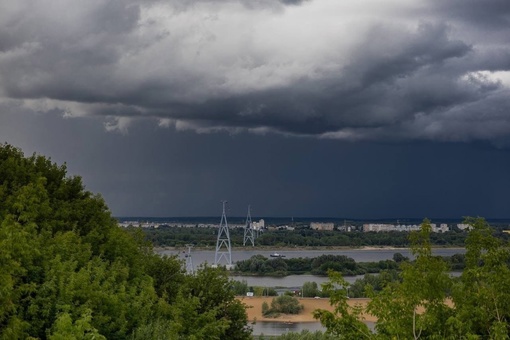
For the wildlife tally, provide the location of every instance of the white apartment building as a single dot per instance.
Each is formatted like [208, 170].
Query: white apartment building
[322, 226]
[261, 224]
[381, 227]
[463, 226]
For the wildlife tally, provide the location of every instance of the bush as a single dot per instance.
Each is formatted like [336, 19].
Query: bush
[310, 289]
[265, 308]
[286, 304]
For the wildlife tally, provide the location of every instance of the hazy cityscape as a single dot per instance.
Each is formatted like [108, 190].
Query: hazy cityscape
[321, 226]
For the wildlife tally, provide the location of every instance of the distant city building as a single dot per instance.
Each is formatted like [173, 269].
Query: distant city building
[137, 224]
[261, 224]
[126, 224]
[381, 227]
[443, 228]
[346, 228]
[285, 227]
[463, 226]
[322, 226]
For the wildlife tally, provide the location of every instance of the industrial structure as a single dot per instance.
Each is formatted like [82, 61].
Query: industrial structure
[249, 235]
[189, 261]
[223, 248]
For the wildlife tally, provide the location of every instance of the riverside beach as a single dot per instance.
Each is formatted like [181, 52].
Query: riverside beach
[254, 309]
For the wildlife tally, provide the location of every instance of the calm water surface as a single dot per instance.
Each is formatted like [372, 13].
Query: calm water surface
[201, 257]
[270, 328]
[278, 328]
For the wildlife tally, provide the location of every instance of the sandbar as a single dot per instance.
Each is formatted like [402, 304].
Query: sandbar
[254, 309]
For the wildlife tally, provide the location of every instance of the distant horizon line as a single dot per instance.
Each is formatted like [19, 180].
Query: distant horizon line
[314, 217]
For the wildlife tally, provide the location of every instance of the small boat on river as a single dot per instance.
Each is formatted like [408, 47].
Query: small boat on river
[276, 255]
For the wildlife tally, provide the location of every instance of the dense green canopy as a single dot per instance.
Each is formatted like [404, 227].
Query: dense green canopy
[67, 271]
[426, 302]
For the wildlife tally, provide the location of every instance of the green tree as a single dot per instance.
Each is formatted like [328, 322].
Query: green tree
[67, 329]
[286, 304]
[265, 308]
[373, 283]
[417, 305]
[68, 271]
[424, 286]
[239, 287]
[398, 257]
[310, 289]
[210, 304]
[345, 322]
[482, 295]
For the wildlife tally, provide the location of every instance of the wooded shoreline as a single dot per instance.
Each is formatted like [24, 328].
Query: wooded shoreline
[270, 248]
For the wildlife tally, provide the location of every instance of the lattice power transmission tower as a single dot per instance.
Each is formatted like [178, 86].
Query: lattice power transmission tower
[248, 230]
[189, 261]
[223, 249]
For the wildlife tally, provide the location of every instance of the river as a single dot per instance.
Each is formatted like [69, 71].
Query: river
[269, 328]
[202, 257]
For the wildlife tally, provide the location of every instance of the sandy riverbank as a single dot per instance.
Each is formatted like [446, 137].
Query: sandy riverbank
[254, 309]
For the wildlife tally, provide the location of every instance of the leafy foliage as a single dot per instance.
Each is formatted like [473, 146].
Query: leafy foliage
[373, 283]
[265, 308]
[310, 289]
[175, 236]
[282, 304]
[426, 302]
[344, 322]
[482, 296]
[67, 271]
[261, 265]
[239, 287]
[264, 291]
[424, 285]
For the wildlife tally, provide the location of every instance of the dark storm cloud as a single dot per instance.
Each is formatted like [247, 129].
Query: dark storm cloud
[492, 14]
[293, 2]
[221, 65]
[155, 172]
[408, 84]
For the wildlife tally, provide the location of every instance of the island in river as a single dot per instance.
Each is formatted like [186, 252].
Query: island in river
[254, 309]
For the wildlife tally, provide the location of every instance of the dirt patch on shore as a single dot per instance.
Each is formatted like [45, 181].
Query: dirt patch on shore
[254, 309]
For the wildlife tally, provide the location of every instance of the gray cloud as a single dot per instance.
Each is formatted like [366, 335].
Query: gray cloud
[425, 70]
[158, 172]
[293, 2]
[483, 14]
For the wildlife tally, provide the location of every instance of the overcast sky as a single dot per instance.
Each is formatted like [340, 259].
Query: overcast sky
[352, 108]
